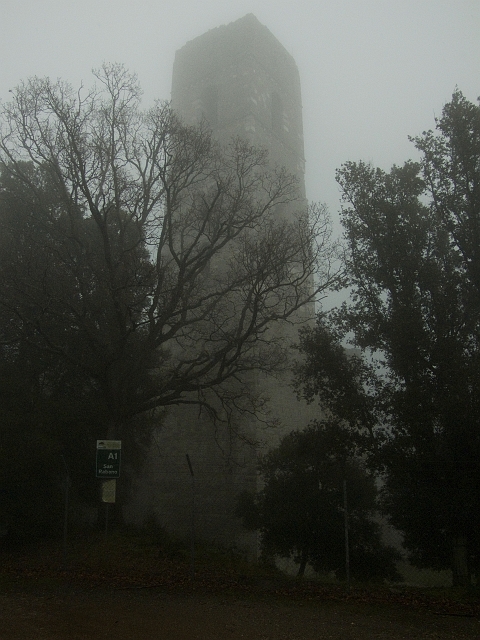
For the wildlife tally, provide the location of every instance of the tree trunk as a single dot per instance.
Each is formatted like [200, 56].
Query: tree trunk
[461, 576]
[303, 563]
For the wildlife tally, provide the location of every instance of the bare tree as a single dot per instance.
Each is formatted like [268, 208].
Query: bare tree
[160, 263]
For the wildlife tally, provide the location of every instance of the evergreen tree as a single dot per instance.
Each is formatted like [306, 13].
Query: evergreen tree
[300, 511]
[412, 263]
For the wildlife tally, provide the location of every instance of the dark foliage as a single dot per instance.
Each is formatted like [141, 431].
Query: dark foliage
[141, 266]
[413, 264]
[300, 512]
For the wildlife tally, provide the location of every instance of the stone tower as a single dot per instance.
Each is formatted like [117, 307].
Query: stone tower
[243, 82]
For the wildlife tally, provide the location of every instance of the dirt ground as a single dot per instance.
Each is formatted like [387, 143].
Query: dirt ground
[151, 614]
[127, 588]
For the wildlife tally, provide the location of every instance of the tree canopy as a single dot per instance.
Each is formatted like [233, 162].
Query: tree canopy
[300, 511]
[139, 253]
[412, 260]
[142, 265]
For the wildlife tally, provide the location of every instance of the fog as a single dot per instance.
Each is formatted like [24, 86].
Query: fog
[372, 71]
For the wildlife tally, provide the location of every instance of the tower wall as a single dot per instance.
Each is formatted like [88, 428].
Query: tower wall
[242, 82]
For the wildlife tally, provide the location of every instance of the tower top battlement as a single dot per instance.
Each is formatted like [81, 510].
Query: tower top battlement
[246, 37]
[244, 82]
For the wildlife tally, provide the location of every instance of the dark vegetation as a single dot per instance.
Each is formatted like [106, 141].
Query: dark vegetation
[412, 256]
[142, 266]
[407, 399]
[149, 558]
[301, 510]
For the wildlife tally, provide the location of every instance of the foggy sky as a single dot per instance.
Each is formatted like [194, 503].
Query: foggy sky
[372, 71]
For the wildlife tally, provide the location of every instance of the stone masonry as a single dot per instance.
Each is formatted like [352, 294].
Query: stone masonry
[243, 82]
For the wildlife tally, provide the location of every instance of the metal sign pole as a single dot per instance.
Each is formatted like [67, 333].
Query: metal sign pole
[192, 525]
[108, 467]
[347, 544]
[106, 520]
[65, 519]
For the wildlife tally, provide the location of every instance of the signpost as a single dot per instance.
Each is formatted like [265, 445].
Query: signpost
[108, 467]
[108, 458]
[192, 528]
